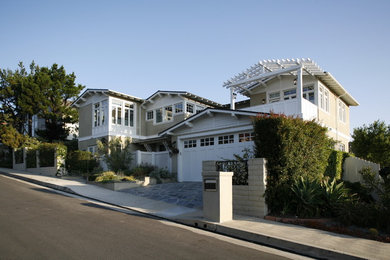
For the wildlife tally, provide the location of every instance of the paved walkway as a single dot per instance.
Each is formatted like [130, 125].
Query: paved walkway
[310, 242]
[187, 194]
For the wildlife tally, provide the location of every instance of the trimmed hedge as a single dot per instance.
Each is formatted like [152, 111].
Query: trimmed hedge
[19, 156]
[294, 148]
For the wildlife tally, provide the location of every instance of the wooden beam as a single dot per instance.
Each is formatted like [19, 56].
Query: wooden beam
[265, 75]
[210, 114]
[189, 124]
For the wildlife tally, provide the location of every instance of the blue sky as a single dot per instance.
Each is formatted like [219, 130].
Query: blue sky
[138, 47]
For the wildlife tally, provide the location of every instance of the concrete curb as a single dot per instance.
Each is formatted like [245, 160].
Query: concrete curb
[274, 242]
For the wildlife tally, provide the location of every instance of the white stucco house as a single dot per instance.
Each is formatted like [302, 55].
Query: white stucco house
[178, 130]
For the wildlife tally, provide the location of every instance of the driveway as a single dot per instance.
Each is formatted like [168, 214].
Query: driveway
[187, 194]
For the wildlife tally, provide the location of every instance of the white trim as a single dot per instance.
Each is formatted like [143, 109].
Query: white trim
[348, 137]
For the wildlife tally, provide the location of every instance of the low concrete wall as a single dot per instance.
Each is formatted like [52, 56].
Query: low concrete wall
[248, 199]
[352, 166]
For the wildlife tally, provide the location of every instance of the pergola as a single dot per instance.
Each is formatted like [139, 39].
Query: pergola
[265, 70]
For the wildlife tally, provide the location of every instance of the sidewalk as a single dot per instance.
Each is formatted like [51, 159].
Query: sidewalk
[297, 239]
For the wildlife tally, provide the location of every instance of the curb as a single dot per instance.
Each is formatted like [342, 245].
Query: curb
[273, 242]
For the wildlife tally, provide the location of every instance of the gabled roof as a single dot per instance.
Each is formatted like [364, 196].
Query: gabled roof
[251, 77]
[184, 94]
[108, 92]
[208, 111]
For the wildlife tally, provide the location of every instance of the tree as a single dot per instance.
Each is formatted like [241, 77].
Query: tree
[46, 92]
[372, 143]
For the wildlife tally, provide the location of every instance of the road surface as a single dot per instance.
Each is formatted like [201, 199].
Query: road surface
[39, 223]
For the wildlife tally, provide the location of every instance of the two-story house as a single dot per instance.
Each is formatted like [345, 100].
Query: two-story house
[292, 87]
[105, 113]
[194, 129]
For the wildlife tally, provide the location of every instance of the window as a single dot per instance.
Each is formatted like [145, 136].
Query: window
[96, 114]
[92, 149]
[129, 115]
[116, 112]
[308, 93]
[168, 113]
[273, 97]
[289, 94]
[207, 141]
[342, 112]
[159, 117]
[226, 139]
[190, 108]
[324, 98]
[179, 108]
[189, 143]
[199, 108]
[246, 137]
[103, 110]
[149, 115]
[342, 147]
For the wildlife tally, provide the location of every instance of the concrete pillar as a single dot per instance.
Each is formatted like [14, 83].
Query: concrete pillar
[217, 195]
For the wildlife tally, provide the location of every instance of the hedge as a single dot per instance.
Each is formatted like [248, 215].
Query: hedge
[335, 164]
[31, 158]
[293, 148]
[80, 162]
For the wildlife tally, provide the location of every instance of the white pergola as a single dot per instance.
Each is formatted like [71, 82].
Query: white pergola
[266, 70]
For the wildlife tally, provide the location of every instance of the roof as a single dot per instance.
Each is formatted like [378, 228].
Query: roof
[268, 68]
[90, 91]
[208, 111]
[184, 94]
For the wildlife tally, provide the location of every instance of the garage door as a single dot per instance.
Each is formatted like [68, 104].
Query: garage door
[196, 150]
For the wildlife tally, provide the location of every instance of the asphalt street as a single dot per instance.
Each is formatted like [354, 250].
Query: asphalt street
[38, 223]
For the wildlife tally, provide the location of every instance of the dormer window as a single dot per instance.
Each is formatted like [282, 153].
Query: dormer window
[149, 115]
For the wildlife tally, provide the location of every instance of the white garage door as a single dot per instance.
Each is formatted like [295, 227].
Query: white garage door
[196, 150]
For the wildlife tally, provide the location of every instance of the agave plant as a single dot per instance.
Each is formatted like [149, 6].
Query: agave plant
[334, 194]
[307, 197]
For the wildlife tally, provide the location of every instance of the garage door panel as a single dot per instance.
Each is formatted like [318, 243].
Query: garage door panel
[192, 157]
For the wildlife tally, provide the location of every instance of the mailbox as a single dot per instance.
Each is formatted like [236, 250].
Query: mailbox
[210, 184]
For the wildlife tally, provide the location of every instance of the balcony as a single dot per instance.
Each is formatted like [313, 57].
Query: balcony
[289, 108]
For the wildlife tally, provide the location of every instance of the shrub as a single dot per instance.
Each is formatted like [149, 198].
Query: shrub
[307, 197]
[160, 173]
[293, 148]
[117, 153]
[47, 152]
[31, 158]
[141, 171]
[108, 176]
[336, 160]
[19, 156]
[5, 157]
[128, 178]
[334, 195]
[81, 162]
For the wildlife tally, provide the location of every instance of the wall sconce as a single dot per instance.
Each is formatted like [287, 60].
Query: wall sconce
[295, 81]
[263, 101]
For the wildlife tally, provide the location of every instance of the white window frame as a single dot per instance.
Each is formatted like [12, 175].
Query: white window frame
[289, 94]
[246, 137]
[148, 113]
[307, 92]
[128, 115]
[190, 108]
[168, 114]
[226, 139]
[116, 107]
[159, 114]
[96, 114]
[179, 108]
[190, 143]
[207, 141]
[323, 97]
[342, 111]
[273, 97]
